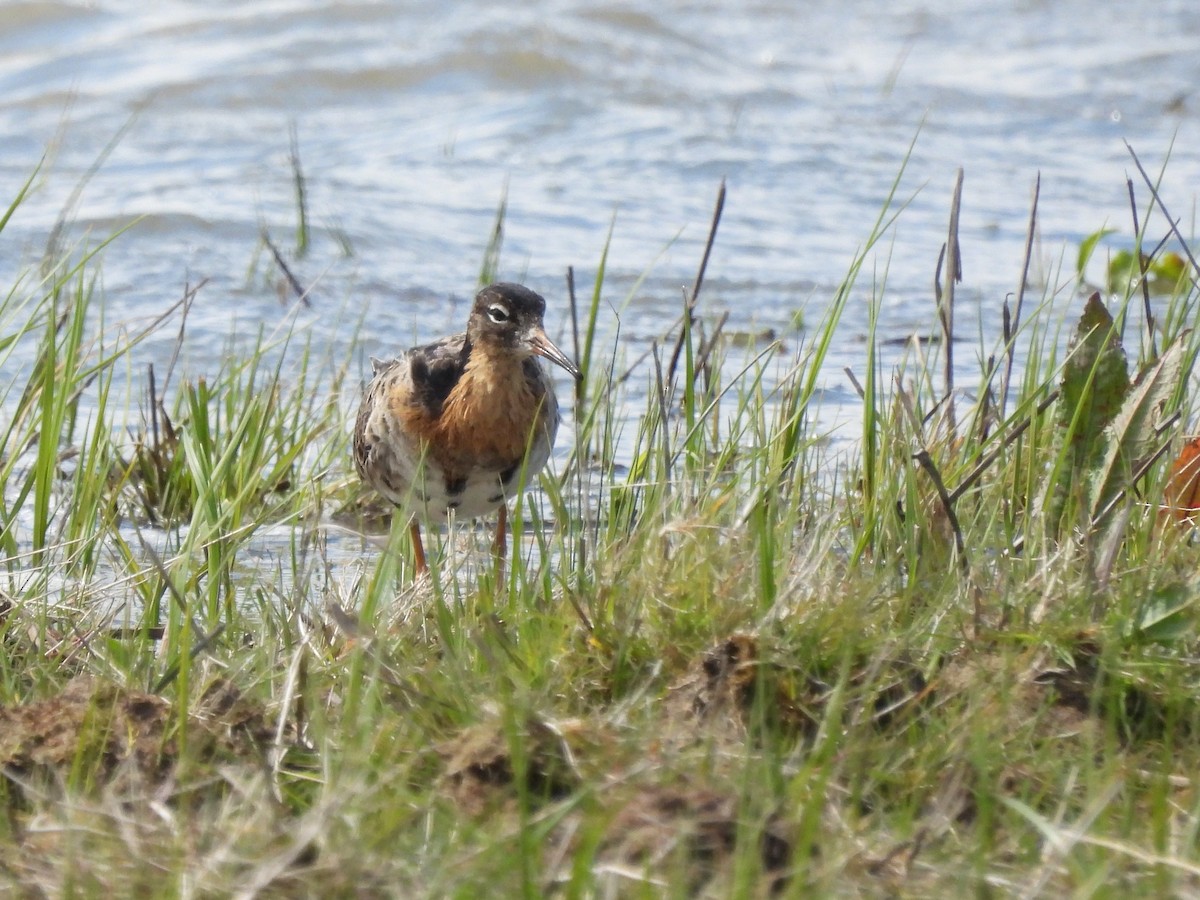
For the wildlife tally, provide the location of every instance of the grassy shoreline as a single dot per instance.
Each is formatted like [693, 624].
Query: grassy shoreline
[961, 656]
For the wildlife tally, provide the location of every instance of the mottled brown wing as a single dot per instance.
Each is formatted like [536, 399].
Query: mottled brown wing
[436, 369]
[372, 397]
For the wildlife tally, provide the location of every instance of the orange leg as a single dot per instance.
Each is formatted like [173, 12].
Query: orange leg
[414, 531]
[500, 544]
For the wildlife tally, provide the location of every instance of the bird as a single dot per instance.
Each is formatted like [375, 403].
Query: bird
[449, 427]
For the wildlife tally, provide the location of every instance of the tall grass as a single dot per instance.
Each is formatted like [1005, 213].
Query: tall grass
[725, 658]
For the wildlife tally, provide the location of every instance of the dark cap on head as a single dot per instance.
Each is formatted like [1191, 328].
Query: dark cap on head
[520, 299]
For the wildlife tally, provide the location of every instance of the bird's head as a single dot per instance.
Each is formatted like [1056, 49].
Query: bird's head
[509, 317]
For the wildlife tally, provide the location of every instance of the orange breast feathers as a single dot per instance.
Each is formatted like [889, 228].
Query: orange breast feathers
[487, 421]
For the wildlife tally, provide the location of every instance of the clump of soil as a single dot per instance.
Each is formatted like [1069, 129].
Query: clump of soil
[735, 683]
[480, 772]
[96, 724]
[653, 829]
[101, 731]
[715, 698]
[664, 829]
[1081, 688]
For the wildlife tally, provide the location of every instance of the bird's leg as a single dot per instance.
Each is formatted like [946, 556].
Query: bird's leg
[500, 544]
[414, 531]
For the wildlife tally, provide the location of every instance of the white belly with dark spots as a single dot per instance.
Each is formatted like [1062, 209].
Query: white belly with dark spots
[419, 485]
[413, 480]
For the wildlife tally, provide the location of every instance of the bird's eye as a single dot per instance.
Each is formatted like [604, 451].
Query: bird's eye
[499, 314]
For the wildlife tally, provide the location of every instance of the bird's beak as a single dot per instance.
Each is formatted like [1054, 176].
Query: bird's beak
[541, 345]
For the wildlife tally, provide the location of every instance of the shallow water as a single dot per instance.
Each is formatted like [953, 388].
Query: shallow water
[413, 120]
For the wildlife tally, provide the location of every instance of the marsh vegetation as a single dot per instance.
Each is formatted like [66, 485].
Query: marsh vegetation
[729, 658]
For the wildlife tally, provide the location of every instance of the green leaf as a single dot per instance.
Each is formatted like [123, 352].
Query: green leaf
[1130, 438]
[1168, 615]
[1163, 273]
[1169, 269]
[1123, 270]
[1095, 382]
[1132, 434]
[1086, 248]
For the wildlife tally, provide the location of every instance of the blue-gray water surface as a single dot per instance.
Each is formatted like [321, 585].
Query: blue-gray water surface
[413, 119]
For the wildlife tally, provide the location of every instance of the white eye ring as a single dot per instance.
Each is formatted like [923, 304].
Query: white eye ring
[499, 314]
